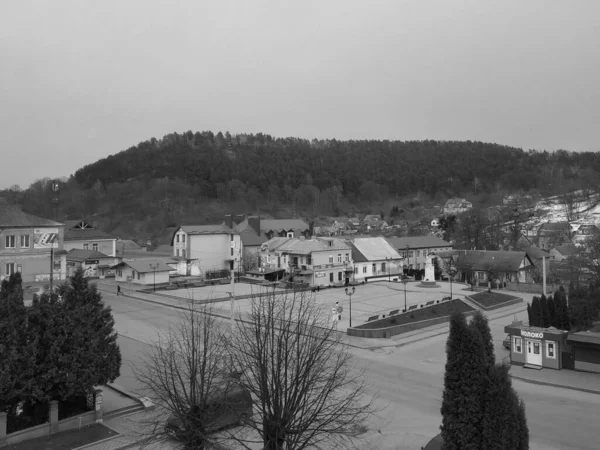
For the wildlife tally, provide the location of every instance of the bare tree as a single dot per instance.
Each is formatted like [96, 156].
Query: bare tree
[249, 260]
[310, 394]
[185, 375]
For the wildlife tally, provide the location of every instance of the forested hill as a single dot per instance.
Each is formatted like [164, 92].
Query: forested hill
[262, 162]
[197, 177]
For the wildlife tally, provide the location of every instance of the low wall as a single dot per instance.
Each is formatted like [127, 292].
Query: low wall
[385, 333]
[498, 306]
[530, 288]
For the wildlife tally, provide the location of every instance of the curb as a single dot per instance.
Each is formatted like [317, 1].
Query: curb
[102, 441]
[560, 386]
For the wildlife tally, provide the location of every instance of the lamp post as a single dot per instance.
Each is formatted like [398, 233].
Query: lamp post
[407, 259]
[349, 293]
[154, 267]
[404, 281]
[451, 272]
[389, 262]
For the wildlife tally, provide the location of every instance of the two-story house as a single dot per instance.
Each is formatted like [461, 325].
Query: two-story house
[30, 245]
[416, 248]
[206, 248]
[581, 232]
[457, 206]
[552, 234]
[375, 256]
[81, 235]
[316, 262]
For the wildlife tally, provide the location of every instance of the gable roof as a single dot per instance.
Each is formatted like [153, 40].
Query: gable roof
[553, 227]
[205, 229]
[144, 265]
[306, 246]
[373, 249]
[283, 224]
[82, 230]
[484, 260]
[536, 253]
[414, 242]
[251, 239]
[84, 255]
[163, 248]
[127, 244]
[567, 250]
[12, 216]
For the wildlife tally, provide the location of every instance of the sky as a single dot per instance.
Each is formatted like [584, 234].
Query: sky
[81, 80]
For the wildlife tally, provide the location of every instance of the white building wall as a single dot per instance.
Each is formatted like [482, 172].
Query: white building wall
[106, 246]
[214, 250]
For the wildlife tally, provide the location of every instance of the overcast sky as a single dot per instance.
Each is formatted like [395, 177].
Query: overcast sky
[80, 80]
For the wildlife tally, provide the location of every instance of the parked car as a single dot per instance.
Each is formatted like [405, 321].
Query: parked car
[222, 410]
[506, 342]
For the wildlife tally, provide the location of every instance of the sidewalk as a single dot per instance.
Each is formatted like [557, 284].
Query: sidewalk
[565, 379]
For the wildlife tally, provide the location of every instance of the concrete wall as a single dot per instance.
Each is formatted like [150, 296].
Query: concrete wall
[213, 250]
[106, 246]
[399, 329]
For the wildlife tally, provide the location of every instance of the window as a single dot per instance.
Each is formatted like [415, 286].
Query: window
[231, 251]
[356, 270]
[178, 238]
[339, 257]
[19, 268]
[86, 246]
[330, 259]
[183, 253]
[517, 345]
[383, 267]
[364, 269]
[418, 266]
[24, 240]
[309, 260]
[176, 252]
[290, 234]
[138, 275]
[10, 269]
[95, 247]
[550, 350]
[536, 348]
[339, 276]
[183, 238]
[120, 273]
[331, 277]
[347, 257]
[419, 253]
[10, 242]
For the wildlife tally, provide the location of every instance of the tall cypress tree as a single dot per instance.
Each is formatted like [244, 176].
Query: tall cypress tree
[481, 326]
[552, 311]
[462, 405]
[529, 313]
[523, 430]
[545, 313]
[536, 312]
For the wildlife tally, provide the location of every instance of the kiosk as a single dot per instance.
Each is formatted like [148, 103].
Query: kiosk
[586, 351]
[536, 347]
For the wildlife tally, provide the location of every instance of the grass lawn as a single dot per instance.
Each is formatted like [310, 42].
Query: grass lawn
[66, 440]
[431, 312]
[487, 299]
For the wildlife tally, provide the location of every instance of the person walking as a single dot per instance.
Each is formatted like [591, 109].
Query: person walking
[118, 290]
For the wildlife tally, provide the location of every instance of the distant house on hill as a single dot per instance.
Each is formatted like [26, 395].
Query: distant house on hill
[554, 233]
[457, 206]
[562, 252]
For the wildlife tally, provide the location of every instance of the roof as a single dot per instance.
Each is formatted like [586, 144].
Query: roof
[146, 265]
[85, 234]
[77, 224]
[283, 224]
[413, 242]
[163, 248]
[306, 246]
[536, 253]
[585, 337]
[127, 244]
[373, 249]
[251, 239]
[484, 260]
[554, 227]
[567, 250]
[83, 255]
[12, 216]
[206, 229]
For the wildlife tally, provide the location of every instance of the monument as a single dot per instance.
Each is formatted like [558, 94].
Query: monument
[429, 278]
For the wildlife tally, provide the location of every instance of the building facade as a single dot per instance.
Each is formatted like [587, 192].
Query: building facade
[94, 264]
[373, 257]
[144, 272]
[31, 245]
[538, 347]
[81, 235]
[415, 249]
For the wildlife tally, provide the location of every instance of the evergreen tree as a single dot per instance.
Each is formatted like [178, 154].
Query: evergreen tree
[523, 443]
[462, 404]
[481, 326]
[529, 314]
[552, 311]
[501, 421]
[562, 313]
[545, 313]
[536, 312]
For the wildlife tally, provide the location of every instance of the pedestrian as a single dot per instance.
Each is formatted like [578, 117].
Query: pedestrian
[118, 290]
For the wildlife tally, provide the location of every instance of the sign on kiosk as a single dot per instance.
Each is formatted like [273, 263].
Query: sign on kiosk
[532, 335]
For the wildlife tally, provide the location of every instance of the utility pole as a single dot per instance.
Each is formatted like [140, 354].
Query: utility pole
[544, 275]
[54, 186]
[154, 267]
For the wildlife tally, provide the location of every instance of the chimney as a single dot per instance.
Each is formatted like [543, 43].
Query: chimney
[254, 222]
[229, 220]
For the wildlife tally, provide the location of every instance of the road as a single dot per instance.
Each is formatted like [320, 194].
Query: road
[409, 382]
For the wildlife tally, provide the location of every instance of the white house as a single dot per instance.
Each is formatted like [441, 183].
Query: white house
[207, 248]
[375, 256]
[145, 272]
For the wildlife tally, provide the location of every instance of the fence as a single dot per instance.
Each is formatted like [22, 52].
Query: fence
[53, 425]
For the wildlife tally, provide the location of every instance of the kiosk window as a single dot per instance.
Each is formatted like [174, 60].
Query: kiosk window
[517, 345]
[550, 350]
[536, 348]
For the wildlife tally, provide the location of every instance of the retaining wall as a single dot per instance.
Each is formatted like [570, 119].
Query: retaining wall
[498, 306]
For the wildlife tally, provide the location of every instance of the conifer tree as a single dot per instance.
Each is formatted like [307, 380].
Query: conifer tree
[481, 326]
[545, 313]
[536, 312]
[552, 311]
[529, 313]
[523, 443]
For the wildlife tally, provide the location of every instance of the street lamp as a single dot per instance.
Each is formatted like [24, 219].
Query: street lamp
[389, 263]
[349, 293]
[407, 259]
[451, 272]
[404, 281]
[154, 267]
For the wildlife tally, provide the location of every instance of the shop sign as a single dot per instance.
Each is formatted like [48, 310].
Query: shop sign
[319, 274]
[532, 335]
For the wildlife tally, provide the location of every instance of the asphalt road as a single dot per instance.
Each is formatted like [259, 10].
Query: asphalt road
[409, 383]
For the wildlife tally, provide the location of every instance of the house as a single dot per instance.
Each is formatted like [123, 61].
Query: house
[270, 228]
[251, 244]
[340, 227]
[456, 206]
[162, 249]
[354, 222]
[207, 248]
[373, 222]
[481, 266]
[562, 252]
[144, 271]
[94, 263]
[375, 256]
[31, 245]
[126, 248]
[316, 261]
[581, 232]
[81, 235]
[553, 234]
[416, 248]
